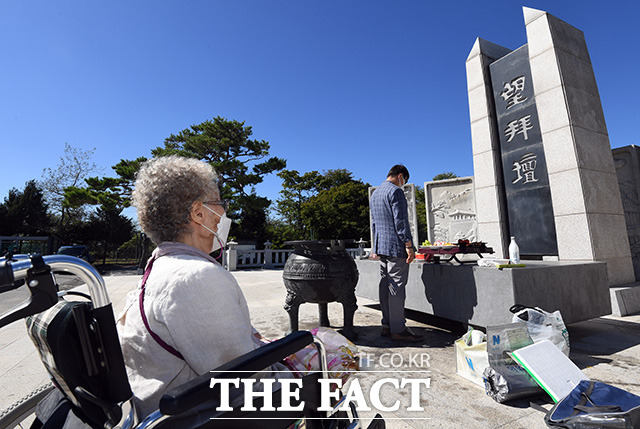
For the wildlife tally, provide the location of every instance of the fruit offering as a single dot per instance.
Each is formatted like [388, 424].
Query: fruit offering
[442, 243]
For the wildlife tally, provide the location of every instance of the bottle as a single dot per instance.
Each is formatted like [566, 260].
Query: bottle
[514, 252]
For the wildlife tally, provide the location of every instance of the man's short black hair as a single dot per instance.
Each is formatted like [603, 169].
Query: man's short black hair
[399, 169]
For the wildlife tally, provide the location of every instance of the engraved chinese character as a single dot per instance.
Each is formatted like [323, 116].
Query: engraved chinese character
[518, 126]
[525, 169]
[512, 92]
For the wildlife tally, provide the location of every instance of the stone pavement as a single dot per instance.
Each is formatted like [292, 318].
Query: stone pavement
[606, 349]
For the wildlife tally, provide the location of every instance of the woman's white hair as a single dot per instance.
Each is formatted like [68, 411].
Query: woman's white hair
[165, 189]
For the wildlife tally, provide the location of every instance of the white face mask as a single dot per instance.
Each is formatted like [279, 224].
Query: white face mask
[223, 230]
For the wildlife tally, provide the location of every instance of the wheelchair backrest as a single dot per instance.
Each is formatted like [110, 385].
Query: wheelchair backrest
[80, 349]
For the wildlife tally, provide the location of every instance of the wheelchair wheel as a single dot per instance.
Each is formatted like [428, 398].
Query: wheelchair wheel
[21, 414]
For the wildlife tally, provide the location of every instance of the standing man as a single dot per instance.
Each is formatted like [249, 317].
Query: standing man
[393, 243]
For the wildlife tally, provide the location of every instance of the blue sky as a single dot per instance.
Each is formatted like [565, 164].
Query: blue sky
[359, 85]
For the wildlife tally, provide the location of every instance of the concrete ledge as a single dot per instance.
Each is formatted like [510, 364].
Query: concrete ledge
[482, 296]
[625, 299]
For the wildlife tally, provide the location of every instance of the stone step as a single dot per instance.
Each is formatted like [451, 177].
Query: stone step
[625, 299]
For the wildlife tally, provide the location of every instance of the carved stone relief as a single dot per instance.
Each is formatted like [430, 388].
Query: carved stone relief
[627, 163]
[451, 210]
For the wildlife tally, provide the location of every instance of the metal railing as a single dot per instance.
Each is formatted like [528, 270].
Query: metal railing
[238, 259]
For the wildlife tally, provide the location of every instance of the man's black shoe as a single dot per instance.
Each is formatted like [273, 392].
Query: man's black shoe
[385, 331]
[407, 335]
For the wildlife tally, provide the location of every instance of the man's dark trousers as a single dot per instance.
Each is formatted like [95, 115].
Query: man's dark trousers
[394, 273]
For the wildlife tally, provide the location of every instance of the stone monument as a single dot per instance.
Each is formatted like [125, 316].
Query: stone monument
[542, 160]
[627, 163]
[451, 210]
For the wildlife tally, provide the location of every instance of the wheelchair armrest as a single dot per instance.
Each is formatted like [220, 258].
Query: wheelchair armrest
[193, 393]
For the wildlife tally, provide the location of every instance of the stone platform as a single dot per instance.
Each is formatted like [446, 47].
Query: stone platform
[625, 299]
[481, 296]
[605, 349]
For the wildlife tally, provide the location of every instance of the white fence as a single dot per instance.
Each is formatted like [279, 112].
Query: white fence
[238, 259]
[267, 258]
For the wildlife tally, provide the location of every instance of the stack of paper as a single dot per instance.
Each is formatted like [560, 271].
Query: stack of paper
[498, 263]
[550, 368]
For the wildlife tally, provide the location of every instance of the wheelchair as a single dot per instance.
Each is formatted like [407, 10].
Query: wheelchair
[79, 346]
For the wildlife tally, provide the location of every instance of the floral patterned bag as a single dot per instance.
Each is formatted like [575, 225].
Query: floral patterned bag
[342, 356]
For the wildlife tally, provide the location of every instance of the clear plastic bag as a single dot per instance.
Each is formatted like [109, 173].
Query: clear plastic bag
[504, 379]
[543, 325]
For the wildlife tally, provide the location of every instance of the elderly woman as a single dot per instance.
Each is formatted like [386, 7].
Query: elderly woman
[189, 315]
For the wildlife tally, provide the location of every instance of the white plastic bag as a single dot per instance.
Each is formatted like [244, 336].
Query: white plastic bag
[543, 325]
[471, 356]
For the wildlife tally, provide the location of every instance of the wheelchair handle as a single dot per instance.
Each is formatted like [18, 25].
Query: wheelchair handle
[37, 273]
[71, 265]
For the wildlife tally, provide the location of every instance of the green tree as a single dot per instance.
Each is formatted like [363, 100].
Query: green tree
[279, 231]
[227, 146]
[109, 229]
[241, 163]
[6, 223]
[74, 166]
[252, 224]
[296, 220]
[445, 175]
[333, 178]
[112, 193]
[296, 190]
[421, 210]
[339, 212]
[25, 212]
